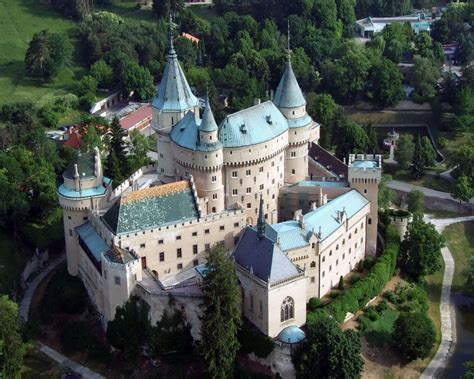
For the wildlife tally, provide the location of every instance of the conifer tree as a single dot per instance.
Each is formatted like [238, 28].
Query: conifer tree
[417, 167]
[117, 164]
[223, 319]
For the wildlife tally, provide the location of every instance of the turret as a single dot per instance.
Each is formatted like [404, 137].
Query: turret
[83, 190]
[173, 100]
[209, 161]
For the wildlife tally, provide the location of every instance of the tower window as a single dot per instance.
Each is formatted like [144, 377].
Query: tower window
[162, 257]
[249, 190]
[287, 310]
[234, 174]
[214, 179]
[248, 172]
[179, 253]
[260, 169]
[293, 172]
[235, 192]
[293, 153]
[214, 196]
[195, 249]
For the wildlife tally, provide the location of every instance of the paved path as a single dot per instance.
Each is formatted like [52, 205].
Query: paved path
[447, 310]
[407, 187]
[66, 362]
[32, 286]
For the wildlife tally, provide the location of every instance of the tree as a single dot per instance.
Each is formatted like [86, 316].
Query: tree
[92, 137]
[47, 54]
[404, 151]
[464, 109]
[171, 334]
[12, 348]
[416, 202]
[323, 109]
[139, 147]
[461, 159]
[428, 153]
[351, 139]
[385, 195]
[87, 86]
[425, 76]
[469, 274]
[385, 87]
[117, 139]
[161, 8]
[470, 370]
[414, 335]
[463, 190]
[221, 298]
[76, 9]
[103, 73]
[324, 15]
[137, 79]
[327, 351]
[130, 328]
[420, 253]
[345, 13]
[417, 168]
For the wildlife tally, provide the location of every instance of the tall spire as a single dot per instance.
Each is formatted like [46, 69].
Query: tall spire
[289, 46]
[171, 33]
[261, 220]
[208, 123]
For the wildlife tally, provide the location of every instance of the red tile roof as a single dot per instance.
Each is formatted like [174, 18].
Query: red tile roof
[191, 37]
[75, 139]
[136, 117]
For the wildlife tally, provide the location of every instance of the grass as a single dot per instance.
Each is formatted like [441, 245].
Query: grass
[204, 12]
[19, 21]
[378, 332]
[432, 182]
[433, 288]
[460, 240]
[382, 117]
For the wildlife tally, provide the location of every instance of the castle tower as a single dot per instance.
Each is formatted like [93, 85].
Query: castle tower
[173, 100]
[84, 188]
[302, 129]
[365, 174]
[209, 162]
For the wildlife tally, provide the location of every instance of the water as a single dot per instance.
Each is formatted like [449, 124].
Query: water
[465, 337]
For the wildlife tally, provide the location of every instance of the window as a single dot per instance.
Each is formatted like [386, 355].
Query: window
[236, 224]
[248, 190]
[195, 249]
[260, 169]
[195, 234]
[162, 257]
[355, 231]
[324, 259]
[178, 238]
[84, 218]
[365, 190]
[293, 153]
[249, 205]
[160, 242]
[68, 217]
[313, 279]
[214, 196]
[180, 266]
[206, 231]
[207, 246]
[337, 247]
[261, 187]
[117, 280]
[324, 274]
[330, 268]
[179, 253]
[196, 262]
[337, 262]
[234, 174]
[287, 311]
[214, 179]
[293, 172]
[343, 241]
[273, 163]
[312, 245]
[221, 227]
[370, 221]
[235, 192]
[350, 236]
[142, 246]
[313, 265]
[356, 245]
[330, 252]
[343, 256]
[70, 232]
[362, 225]
[248, 172]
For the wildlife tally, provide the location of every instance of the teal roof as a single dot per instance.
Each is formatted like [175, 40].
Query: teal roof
[208, 123]
[174, 93]
[291, 334]
[94, 242]
[85, 166]
[185, 134]
[322, 183]
[288, 93]
[300, 122]
[252, 126]
[89, 192]
[291, 236]
[365, 164]
[152, 207]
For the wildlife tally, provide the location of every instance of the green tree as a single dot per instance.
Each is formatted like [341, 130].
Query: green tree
[351, 139]
[87, 86]
[428, 153]
[103, 73]
[470, 370]
[327, 351]
[385, 87]
[463, 190]
[130, 328]
[47, 54]
[137, 79]
[469, 274]
[464, 109]
[139, 146]
[425, 77]
[461, 159]
[345, 13]
[117, 139]
[221, 297]
[404, 151]
[161, 8]
[323, 109]
[385, 195]
[416, 202]
[324, 15]
[12, 348]
[417, 168]
[414, 335]
[92, 137]
[171, 334]
[420, 253]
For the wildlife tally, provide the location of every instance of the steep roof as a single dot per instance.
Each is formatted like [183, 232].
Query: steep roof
[174, 93]
[288, 93]
[253, 125]
[263, 257]
[152, 207]
[208, 123]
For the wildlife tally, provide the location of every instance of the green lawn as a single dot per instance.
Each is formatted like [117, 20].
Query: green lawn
[460, 240]
[19, 21]
[378, 332]
[433, 288]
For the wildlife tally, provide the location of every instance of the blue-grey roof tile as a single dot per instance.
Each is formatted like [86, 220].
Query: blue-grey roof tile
[288, 93]
[94, 242]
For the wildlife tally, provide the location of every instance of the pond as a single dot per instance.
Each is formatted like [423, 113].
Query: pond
[464, 350]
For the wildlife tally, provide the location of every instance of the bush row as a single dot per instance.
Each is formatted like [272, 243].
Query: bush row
[356, 297]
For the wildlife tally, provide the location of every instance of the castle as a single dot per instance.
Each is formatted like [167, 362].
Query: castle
[294, 218]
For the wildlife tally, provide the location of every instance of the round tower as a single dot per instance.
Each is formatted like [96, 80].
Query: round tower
[290, 101]
[173, 100]
[83, 190]
[209, 160]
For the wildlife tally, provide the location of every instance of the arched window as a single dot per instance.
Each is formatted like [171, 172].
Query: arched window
[287, 310]
[313, 264]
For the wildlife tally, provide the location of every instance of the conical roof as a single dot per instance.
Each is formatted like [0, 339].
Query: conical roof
[208, 123]
[288, 93]
[174, 93]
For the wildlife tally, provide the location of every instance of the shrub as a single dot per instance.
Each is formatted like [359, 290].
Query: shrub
[333, 294]
[371, 313]
[369, 262]
[360, 266]
[314, 303]
[341, 283]
[382, 306]
[411, 298]
[354, 279]
[253, 341]
[390, 296]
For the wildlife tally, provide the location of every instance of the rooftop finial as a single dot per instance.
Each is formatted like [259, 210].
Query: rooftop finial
[289, 36]
[261, 220]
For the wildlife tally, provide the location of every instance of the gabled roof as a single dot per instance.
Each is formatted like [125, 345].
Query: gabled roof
[174, 93]
[152, 207]
[288, 93]
[253, 125]
[263, 258]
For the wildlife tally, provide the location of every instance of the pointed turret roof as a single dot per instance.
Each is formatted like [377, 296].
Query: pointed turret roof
[208, 123]
[174, 93]
[288, 93]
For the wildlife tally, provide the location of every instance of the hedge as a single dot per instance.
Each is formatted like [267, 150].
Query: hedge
[365, 289]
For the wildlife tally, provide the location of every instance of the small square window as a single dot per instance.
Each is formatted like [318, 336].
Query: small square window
[234, 174]
[142, 246]
[180, 266]
[293, 172]
[236, 224]
[313, 279]
[249, 190]
[206, 231]
[117, 280]
[221, 227]
[214, 196]
[195, 234]
[160, 242]
[196, 262]
[261, 187]
[323, 274]
[214, 179]
[178, 238]
[235, 192]
[248, 172]
[249, 205]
